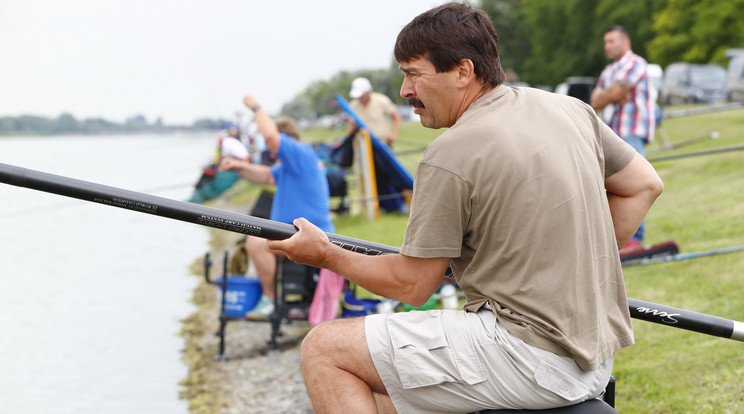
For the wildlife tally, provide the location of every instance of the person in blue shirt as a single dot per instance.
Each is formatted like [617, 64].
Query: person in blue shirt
[301, 191]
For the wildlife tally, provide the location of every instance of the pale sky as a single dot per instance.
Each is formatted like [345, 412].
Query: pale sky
[186, 59]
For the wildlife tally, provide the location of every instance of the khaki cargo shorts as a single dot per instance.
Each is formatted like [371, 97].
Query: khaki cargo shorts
[452, 361]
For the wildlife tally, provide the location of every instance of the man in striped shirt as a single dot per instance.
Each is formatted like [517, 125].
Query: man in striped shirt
[623, 95]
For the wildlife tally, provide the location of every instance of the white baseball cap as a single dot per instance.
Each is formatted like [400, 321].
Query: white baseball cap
[232, 147]
[359, 87]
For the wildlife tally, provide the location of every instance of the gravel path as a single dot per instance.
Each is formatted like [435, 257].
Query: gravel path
[258, 379]
[253, 377]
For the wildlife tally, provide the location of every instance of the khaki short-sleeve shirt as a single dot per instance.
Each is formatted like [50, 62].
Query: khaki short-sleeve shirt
[376, 114]
[514, 194]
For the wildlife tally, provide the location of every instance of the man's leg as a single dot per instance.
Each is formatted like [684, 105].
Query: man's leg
[264, 261]
[338, 370]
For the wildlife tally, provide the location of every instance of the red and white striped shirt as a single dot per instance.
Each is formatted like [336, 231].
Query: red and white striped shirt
[637, 117]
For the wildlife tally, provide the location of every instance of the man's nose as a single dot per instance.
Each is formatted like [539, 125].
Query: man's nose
[406, 89]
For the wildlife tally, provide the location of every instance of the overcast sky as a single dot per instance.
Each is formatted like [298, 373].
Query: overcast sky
[183, 60]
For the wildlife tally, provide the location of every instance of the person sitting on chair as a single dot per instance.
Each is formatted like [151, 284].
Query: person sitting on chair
[527, 196]
[301, 191]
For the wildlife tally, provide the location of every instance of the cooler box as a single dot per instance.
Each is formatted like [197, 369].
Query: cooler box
[242, 294]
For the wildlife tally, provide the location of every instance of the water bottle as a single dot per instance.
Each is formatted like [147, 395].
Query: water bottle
[448, 295]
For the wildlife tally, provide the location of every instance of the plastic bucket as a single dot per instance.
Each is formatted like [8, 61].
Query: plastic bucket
[352, 306]
[242, 294]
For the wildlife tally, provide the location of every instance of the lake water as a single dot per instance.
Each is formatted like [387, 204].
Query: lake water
[91, 297]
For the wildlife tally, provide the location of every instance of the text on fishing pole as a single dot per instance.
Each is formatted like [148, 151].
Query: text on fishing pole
[229, 225]
[128, 204]
[665, 316]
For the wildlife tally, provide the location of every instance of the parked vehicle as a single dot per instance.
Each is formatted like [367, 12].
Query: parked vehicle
[580, 87]
[693, 83]
[656, 76]
[735, 75]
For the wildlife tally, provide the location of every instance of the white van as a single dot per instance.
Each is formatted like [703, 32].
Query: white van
[735, 75]
[656, 76]
[693, 83]
[580, 87]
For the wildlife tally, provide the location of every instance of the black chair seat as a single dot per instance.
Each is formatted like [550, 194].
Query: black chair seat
[593, 406]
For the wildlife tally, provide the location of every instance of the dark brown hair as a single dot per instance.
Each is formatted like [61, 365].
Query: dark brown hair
[449, 33]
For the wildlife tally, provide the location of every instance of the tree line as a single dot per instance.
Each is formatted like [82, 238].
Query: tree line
[546, 41]
[67, 124]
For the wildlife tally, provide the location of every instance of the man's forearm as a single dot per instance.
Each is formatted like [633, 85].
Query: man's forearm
[627, 215]
[393, 276]
[630, 194]
[258, 174]
[615, 93]
[599, 99]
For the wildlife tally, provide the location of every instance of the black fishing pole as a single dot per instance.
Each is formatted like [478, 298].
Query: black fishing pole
[703, 110]
[698, 153]
[680, 256]
[244, 224]
[174, 209]
[685, 319]
[712, 135]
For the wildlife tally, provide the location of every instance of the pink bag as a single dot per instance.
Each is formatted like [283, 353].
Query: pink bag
[324, 306]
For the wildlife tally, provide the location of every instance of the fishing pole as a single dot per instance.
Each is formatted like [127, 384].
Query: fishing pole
[273, 230]
[703, 110]
[416, 150]
[174, 209]
[712, 135]
[680, 256]
[695, 154]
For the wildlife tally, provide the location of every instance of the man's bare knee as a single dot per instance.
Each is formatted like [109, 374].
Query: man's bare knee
[338, 340]
[255, 243]
[312, 343]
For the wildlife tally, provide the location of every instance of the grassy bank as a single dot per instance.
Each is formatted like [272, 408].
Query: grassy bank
[702, 208]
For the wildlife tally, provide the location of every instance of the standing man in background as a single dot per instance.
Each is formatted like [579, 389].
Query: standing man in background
[623, 95]
[375, 109]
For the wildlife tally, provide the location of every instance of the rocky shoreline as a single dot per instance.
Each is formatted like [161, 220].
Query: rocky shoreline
[253, 377]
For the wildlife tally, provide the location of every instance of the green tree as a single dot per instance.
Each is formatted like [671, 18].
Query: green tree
[319, 98]
[561, 42]
[66, 124]
[697, 31]
[514, 44]
[99, 126]
[554, 39]
[7, 125]
[298, 108]
[32, 124]
[210, 124]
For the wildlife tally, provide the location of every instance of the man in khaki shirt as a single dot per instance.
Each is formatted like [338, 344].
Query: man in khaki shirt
[375, 109]
[527, 196]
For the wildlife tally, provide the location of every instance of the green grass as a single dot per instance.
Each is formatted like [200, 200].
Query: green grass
[702, 208]
[668, 370]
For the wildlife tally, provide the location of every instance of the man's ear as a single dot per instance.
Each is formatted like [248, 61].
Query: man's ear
[465, 72]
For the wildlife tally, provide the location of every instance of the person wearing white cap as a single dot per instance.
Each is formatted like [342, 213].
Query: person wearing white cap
[375, 109]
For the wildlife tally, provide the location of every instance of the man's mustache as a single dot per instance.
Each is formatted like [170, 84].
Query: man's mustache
[416, 103]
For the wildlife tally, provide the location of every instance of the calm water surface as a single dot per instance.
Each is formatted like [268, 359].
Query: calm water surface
[91, 297]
